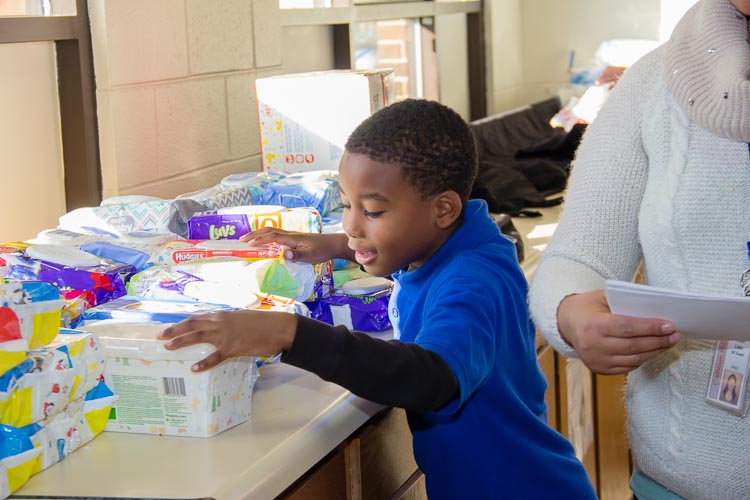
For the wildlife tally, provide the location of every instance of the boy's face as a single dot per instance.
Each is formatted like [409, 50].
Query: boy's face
[389, 224]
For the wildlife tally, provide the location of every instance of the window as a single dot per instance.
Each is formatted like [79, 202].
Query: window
[37, 8]
[66, 23]
[404, 45]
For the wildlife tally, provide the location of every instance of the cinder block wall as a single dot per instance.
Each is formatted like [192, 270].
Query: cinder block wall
[176, 87]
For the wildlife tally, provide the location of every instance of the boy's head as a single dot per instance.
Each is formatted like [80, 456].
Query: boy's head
[405, 178]
[432, 143]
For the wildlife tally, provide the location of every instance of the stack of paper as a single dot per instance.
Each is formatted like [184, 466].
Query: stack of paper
[695, 316]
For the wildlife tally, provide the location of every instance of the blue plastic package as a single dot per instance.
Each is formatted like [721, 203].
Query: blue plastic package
[117, 253]
[317, 189]
[140, 309]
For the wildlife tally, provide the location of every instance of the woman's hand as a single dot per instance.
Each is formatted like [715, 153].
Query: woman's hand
[305, 247]
[608, 343]
[234, 334]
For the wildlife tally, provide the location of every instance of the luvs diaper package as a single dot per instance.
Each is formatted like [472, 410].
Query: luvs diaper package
[159, 394]
[360, 304]
[232, 223]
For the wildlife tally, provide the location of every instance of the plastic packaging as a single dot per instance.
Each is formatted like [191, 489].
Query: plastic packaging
[137, 309]
[236, 222]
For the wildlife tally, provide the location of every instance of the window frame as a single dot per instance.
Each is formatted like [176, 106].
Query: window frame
[340, 18]
[76, 90]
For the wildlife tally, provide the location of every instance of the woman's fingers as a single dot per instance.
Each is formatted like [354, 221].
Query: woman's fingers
[626, 363]
[635, 345]
[628, 326]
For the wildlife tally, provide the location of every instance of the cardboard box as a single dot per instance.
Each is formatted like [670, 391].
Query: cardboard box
[159, 394]
[306, 118]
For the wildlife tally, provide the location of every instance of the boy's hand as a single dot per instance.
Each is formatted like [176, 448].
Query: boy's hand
[305, 247]
[607, 343]
[234, 334]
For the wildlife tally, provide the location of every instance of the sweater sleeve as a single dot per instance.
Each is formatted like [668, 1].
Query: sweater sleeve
[597, 237]
[392, 373]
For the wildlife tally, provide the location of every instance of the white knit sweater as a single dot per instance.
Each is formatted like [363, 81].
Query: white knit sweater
[663, 175]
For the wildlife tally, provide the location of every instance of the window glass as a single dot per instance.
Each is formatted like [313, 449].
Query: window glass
[312, 4]
[404, 45]
[14, 8]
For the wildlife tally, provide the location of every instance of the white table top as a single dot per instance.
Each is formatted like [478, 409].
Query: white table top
[297, 419]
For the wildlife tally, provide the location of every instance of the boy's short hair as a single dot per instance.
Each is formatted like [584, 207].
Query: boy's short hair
[432, 143]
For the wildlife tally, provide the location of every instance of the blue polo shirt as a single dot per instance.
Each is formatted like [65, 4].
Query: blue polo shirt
[467, 303]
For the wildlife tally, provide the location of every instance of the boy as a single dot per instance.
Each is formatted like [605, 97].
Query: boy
[463, 364]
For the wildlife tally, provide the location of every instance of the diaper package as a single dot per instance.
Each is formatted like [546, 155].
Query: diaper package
[317, 189]
[49, 378]
[19, 459]
[364, 313]
[233, 223]
[159, 394]
[122, 215]
[106, 280]
[26, 450]
[253, 181]
[359, 304]
[30, 315]
[83, 419]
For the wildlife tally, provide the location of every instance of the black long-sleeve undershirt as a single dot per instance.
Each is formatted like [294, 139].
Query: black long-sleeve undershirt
[389, 372]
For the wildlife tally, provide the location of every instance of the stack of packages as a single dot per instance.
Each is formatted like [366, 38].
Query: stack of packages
[53, 398]
[121, 272]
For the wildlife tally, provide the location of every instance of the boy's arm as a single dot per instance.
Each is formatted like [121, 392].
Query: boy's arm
[305, 247]
[392, 373]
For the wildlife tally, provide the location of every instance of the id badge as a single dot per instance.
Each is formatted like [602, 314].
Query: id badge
[727, 385]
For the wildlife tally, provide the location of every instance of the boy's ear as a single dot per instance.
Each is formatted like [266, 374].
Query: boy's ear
[448, 208]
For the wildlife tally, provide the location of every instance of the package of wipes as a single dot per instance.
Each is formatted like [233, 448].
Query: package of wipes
[159, 394]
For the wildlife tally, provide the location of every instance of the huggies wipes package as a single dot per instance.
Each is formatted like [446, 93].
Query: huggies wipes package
[159, 394]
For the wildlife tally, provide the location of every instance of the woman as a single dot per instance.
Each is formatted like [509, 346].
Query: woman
[729, 394]
[662, 177]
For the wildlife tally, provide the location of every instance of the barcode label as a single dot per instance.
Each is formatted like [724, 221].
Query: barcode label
[174, 386]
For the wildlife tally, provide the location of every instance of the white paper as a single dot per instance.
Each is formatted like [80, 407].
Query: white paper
[695, 316]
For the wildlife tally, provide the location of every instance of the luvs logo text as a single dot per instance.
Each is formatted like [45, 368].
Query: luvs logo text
[217, 233]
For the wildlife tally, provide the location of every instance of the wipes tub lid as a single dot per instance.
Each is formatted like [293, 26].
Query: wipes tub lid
[125, 339]
[63, 237]
[63, 255]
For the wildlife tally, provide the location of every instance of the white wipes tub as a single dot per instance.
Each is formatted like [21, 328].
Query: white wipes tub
[159, 394]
